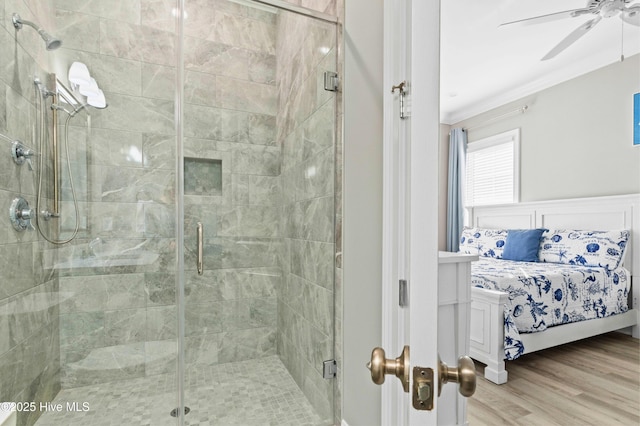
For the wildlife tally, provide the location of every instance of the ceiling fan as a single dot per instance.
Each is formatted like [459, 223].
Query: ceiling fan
[598, 8]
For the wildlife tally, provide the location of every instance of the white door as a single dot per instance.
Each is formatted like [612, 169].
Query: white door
[423, 46]
[410, 236]
[410, 221]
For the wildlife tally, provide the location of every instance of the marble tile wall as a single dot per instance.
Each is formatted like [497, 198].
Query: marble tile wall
[326, 6]
[29, 336]
[306, 131]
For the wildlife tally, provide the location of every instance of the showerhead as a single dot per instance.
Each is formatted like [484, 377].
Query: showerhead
[51, 42]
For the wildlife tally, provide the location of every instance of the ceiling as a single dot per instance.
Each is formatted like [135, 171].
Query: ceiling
[483, 66]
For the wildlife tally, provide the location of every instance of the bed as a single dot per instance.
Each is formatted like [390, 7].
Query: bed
[579, 285]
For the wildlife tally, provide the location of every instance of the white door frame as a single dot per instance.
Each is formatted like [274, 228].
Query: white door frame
[394, 266]
[410, 226]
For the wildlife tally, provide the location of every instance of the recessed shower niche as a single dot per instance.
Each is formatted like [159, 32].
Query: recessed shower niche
[202, 176]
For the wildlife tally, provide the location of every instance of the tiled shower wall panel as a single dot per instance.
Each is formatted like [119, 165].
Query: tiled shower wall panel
[327, 6]
[306, 132]
[230, 118]
[29, 343]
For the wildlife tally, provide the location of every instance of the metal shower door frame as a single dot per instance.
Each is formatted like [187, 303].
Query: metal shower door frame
[179, 103]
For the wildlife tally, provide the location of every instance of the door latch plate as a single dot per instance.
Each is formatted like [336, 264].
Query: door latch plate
[423, 388]
[403, 295]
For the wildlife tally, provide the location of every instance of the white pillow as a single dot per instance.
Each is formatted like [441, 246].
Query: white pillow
[483, 241]
[585, 248]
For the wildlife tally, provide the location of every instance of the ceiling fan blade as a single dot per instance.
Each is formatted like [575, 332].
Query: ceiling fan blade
[572, 38]
[631, 15]
[548, 18]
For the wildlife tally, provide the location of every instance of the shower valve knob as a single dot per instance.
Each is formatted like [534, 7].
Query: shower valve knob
[21, 153]
[21, 214]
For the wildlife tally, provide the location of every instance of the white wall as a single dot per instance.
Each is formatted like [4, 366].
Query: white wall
[362, 220]
[576, 137]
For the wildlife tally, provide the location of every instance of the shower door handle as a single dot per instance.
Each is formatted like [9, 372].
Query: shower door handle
[200, 264]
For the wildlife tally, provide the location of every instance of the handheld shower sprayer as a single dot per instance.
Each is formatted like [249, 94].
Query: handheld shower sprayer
[76, 109]
[51, 42]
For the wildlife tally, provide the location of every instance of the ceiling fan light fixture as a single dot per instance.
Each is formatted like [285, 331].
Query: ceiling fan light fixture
[598, 9]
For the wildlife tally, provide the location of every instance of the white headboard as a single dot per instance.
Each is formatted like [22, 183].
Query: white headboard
[598, 214]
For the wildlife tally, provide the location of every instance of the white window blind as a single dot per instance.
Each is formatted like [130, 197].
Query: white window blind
[492, 170]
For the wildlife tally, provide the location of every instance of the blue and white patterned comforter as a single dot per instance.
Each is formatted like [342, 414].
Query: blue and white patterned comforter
[542, 295]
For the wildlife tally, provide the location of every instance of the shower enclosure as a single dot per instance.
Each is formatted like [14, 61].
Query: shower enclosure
[199, 287]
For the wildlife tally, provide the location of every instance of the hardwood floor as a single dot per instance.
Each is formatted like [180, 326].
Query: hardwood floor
[595, 381]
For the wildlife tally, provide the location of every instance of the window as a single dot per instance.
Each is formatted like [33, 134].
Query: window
[493, 170]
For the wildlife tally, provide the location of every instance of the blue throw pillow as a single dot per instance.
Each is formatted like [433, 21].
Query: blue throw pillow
[522, 245]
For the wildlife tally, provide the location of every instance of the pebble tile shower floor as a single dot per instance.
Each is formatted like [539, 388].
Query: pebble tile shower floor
[247, 393]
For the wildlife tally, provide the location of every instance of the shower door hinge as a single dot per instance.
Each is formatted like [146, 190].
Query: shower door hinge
[403, 296]
[329, 369]
[331, 81]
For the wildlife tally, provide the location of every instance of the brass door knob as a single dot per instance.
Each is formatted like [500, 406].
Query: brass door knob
[464, 374]
[380, 366]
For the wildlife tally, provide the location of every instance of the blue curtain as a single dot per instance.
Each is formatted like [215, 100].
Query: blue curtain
[455, 207]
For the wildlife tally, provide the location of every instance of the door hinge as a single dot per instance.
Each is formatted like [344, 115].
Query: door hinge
[402, 92]
[331, 81]
[329, 369]
[403, 296]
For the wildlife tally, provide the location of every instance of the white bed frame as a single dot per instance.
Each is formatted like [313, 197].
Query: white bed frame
[600, 213]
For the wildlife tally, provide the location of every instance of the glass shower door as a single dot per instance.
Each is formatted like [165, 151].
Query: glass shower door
[259, 171]
[113, 326]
